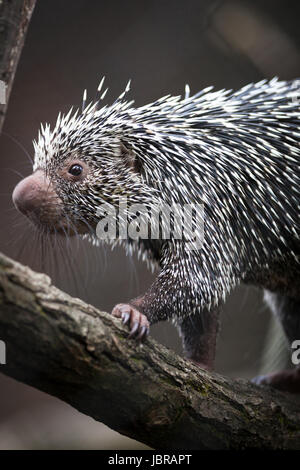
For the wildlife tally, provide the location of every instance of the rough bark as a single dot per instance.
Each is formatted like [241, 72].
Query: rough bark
[14, 19]
[73, 351]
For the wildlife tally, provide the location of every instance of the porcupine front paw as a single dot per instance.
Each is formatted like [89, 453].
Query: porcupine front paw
[285, 380]
[137, 321]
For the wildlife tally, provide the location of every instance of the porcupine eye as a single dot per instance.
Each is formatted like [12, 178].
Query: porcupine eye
[75, 170]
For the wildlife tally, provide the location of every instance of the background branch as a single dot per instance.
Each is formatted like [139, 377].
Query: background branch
[14, 20]
[71, 350]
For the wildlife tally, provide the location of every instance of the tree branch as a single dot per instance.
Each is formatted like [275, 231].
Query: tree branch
[73, 351]
[14, 20]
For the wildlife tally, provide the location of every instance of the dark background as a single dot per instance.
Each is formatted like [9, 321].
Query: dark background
[160, 45]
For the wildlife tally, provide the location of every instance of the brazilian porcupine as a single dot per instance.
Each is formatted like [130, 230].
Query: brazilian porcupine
[236, 153]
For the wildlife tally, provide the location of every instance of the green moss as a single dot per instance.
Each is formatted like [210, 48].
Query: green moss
[136, 360]
[203, 389]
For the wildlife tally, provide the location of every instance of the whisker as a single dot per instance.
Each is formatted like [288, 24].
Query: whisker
[13, 139]
[18, 173]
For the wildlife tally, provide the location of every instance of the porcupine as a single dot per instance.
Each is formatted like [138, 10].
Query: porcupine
[236, 153]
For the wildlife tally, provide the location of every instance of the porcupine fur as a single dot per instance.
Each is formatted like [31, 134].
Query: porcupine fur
[236, 152]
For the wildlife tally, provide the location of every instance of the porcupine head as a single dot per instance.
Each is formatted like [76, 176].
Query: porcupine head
[84, 163]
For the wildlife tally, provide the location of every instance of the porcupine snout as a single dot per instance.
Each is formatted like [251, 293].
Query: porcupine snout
[36, 198]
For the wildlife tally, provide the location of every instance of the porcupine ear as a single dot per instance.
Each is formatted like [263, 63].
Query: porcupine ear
[131, 159]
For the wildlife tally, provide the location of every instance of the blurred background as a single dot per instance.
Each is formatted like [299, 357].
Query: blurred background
[161, 46]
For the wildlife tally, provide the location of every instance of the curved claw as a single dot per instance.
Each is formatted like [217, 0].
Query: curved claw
[144, 332]
[259, 380]
[125, 317]
[133, 330]
[136, 321]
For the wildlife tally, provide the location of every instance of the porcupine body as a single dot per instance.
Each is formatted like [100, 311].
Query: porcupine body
[236, 154]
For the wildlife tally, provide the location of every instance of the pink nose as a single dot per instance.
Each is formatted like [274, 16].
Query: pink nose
[29, 194]
[36, 197]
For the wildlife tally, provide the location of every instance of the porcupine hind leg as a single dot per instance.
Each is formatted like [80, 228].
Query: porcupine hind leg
[199, 335]
[288, 312]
